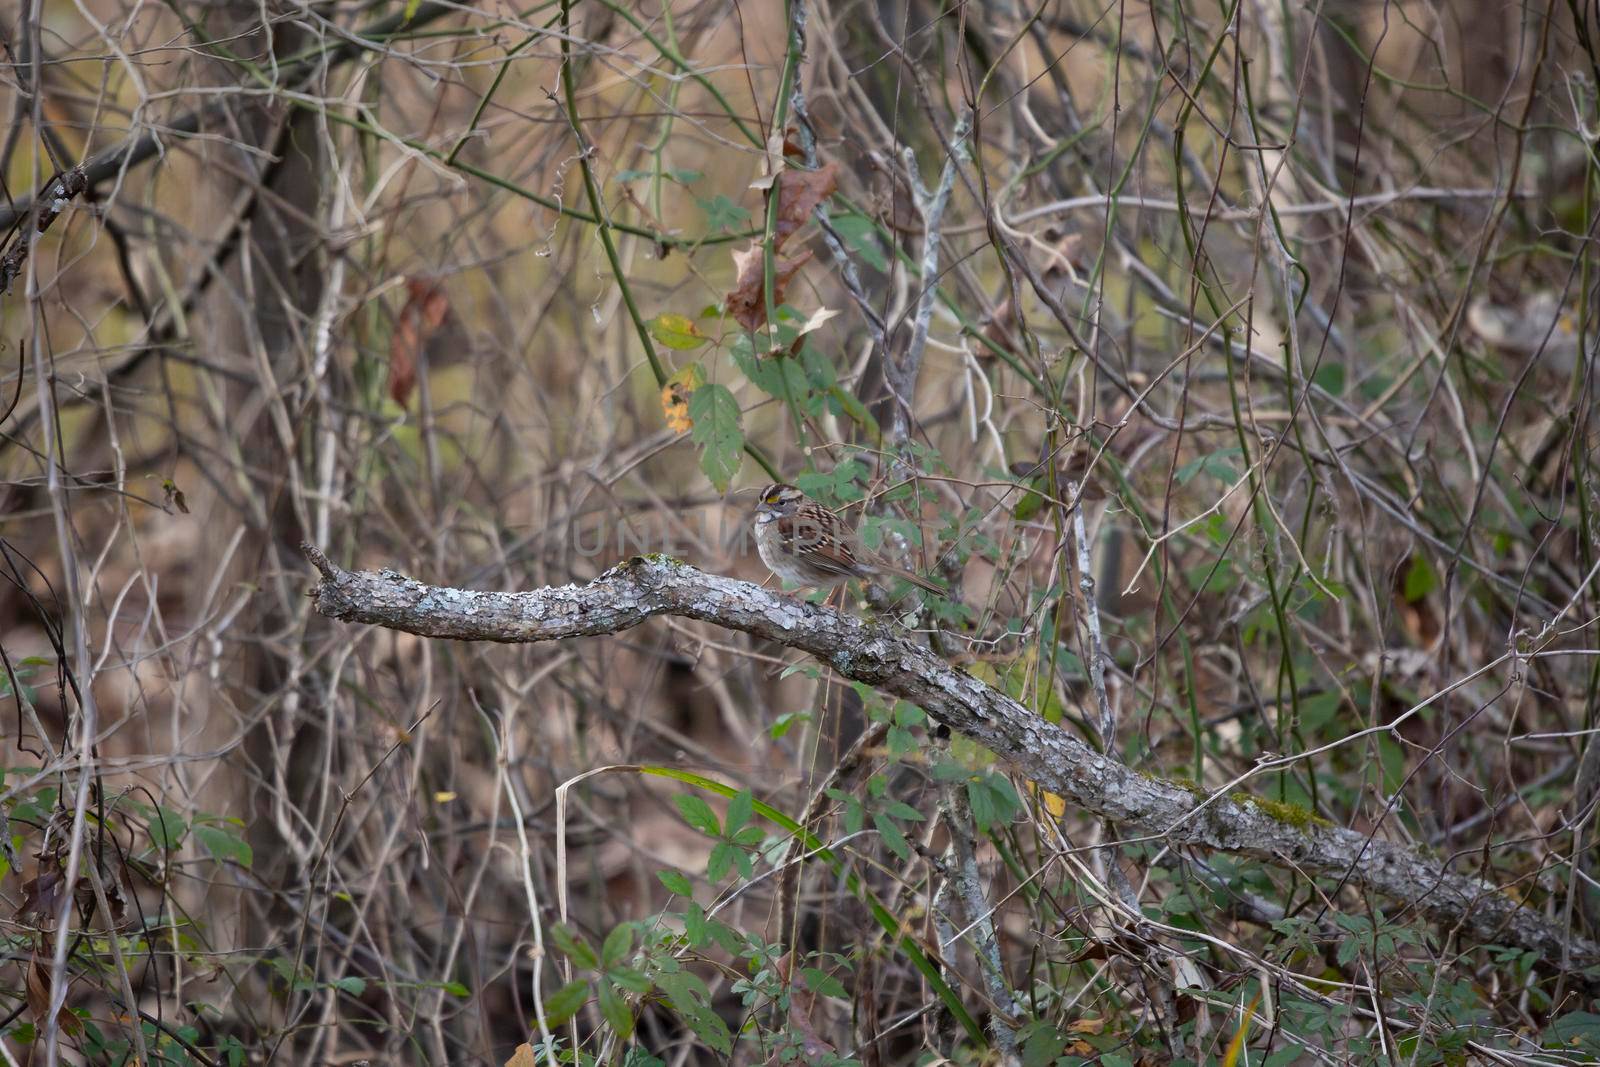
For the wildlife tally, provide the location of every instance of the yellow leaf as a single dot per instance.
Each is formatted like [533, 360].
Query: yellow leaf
[1056, 806]
[1087, 1026]
[676, 331]
[444, 796]
[675, 397]
[1236, 1046]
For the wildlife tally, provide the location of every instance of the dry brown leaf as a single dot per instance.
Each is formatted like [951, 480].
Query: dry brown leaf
[41, 896]
[799, 193]
[523, 1057]
[37, 979]
[1063, 252]
[425, 311]
[746, 301]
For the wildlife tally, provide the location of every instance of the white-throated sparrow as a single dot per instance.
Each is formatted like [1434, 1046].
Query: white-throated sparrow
[803, 542]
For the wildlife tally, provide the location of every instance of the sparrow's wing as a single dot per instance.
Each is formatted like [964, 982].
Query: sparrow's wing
[818, 536]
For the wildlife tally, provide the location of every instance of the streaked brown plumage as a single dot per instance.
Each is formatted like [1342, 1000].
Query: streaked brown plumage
[804, 543]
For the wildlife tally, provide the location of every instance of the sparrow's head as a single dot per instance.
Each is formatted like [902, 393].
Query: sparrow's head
[777, 501]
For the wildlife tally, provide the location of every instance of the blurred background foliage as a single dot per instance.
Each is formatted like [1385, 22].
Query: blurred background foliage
[1295, 301]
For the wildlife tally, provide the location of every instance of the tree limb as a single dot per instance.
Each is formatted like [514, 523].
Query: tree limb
[881, 656]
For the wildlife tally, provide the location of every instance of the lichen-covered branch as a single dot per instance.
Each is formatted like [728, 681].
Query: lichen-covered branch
[881, 656]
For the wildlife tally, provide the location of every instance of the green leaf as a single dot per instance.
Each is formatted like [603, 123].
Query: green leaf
[786, 722]
[618, 943]
[676, 331]
[1330, 378]
[1213, 463]
[1392, 758]
[709, 1027]
[223, 845]
[565, 1002]
[891, 835]
[1320, 710]
[780, 377]
[860, 234]
[899, 809]
[739, 809]
[994, 802]
[695, 926]
[1216, 529]
[676, 883]
[1180, 904]
[984, 814]
[1214, 578]
[614, 1006]
[820, 981]
[854, 813]
[638, 1057]
[684, 990]
[723, 856]
[1420, 579]
[698, 814]
[1575, 1030]
[631, 980]
[717, 431]
[1029, 506]
[723, 214]
[819, 369]
[167, 829]
[1005, 794]
[846, 404]
[575, 947]
[690, 999]
[1042, 1044]
[352, 984]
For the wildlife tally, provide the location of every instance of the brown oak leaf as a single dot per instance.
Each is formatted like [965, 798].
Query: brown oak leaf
[799, 193]
[425, 311]
[746, 301]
